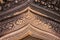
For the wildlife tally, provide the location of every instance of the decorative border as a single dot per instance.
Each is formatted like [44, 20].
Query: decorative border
[27, 17]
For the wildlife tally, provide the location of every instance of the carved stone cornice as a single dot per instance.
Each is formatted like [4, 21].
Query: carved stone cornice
[29, 19]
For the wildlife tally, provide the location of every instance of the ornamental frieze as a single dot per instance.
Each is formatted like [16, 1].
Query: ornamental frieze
[36, 18]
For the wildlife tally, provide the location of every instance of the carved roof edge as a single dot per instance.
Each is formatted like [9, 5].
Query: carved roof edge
[50, 14]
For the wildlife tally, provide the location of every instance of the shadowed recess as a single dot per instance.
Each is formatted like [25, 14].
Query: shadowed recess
[30, 38]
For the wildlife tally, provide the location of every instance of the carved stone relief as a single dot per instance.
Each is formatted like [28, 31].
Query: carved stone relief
[29, 22]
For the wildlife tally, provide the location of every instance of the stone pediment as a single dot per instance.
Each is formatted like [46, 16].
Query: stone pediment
[29, 19]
